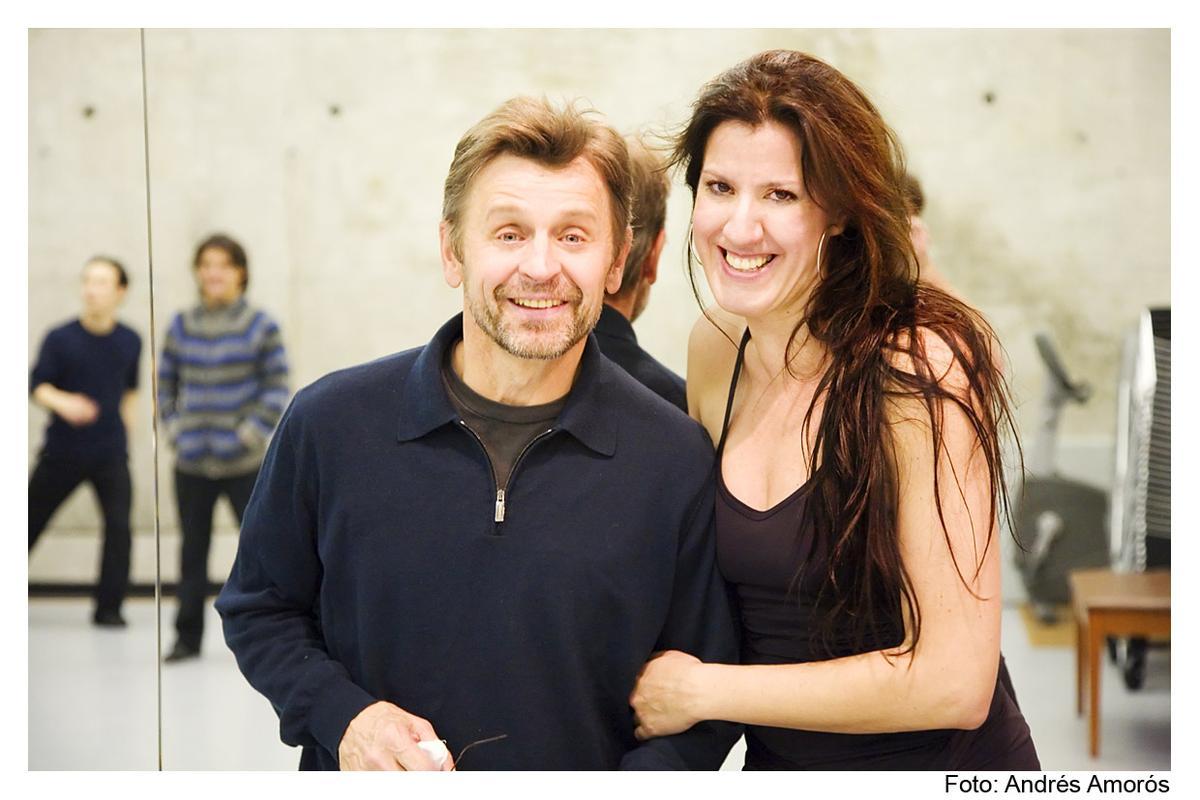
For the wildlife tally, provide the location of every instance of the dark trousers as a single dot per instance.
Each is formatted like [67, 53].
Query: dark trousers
[197, 497]
[53, 481]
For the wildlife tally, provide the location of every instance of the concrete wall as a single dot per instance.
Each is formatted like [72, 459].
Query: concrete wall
[87, 195]
[1044, 155]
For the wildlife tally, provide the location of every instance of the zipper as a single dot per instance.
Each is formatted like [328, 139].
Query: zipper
[498, 516]
[512, 473]
[491, 468]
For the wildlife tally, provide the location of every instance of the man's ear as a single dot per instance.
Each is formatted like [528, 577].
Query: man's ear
[650, 268]
[452, 269]
[612, 283]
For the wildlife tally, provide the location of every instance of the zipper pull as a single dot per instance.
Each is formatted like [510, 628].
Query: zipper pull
[499, 505]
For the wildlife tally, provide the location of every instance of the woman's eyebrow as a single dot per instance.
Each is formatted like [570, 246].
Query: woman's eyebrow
[717, 174]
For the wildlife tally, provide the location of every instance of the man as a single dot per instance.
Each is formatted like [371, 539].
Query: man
[614, 331]
[222, 387]
[918, 232]
[86, 375]
[482, 540]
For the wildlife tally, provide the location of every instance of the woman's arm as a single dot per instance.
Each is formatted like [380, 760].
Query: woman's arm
[947, 681]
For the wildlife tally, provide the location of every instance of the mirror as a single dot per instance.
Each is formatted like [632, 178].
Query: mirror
[323, 154]
[88, 675]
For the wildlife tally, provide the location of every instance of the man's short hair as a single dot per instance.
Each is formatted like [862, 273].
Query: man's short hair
[232, 248]
[650, 190]
[122, 276]
[914, 195]
[554, 137]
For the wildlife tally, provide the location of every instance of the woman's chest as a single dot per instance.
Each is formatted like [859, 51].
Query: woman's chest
[769, 448]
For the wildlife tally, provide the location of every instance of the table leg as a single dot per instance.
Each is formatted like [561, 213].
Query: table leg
[1081, 640]
[1095, 647]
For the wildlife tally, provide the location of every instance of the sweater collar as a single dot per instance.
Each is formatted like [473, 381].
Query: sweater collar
[227, 310]
[589, 415]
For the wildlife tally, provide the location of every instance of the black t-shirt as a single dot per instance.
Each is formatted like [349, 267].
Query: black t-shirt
[103, 368]
[504, 430]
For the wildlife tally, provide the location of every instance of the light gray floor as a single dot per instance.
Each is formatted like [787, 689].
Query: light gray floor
[99, 687]
[92, 701]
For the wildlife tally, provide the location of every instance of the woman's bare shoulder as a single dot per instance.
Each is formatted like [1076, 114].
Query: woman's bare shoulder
[942, 359]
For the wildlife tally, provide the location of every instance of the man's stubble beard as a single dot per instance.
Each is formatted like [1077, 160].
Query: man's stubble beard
[529, 341]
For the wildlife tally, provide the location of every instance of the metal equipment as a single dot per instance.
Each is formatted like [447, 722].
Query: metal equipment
[1060, 522]
[1140, 512]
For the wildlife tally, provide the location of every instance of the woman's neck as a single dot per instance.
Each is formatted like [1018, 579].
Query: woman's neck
[769, 355]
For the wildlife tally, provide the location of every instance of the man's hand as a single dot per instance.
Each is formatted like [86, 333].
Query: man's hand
[665, 696]
[78, 410]
[384, 737]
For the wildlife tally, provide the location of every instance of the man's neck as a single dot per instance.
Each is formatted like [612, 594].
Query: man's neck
[218, 303]
[97, 323]
[504, 378]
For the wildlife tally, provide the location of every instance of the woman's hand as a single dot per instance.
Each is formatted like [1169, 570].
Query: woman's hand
[664, 700]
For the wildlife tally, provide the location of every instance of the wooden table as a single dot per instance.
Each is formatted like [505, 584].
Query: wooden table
[1108, 603]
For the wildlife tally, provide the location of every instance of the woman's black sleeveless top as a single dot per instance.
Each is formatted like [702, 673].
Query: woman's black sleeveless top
[759, 553]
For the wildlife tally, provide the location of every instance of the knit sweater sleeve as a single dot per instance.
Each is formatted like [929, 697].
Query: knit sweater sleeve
[271, 373]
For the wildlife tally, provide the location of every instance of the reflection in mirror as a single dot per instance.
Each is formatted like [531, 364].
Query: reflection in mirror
[92, 633]
[323, 155]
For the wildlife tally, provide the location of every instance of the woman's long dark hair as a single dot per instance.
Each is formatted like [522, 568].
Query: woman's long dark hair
[871, 314]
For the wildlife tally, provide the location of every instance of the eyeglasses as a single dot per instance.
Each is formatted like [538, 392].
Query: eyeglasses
[476, 743]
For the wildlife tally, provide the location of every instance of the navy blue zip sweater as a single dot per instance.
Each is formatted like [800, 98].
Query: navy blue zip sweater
[371, 566]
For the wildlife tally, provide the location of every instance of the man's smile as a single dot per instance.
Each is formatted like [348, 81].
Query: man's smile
[539, 303]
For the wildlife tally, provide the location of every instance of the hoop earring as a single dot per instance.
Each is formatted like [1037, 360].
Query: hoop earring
[692, 247]
[820, 248]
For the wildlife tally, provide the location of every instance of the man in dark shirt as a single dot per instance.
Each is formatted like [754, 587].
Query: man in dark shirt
[86, 375]
[614, 330]
[482, 540]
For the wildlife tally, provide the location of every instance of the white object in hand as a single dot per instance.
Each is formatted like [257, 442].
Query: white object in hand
[436, 750]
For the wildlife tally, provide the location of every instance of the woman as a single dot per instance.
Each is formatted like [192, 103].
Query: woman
[859, 457]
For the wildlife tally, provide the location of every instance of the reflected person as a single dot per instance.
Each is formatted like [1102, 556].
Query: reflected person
[918, 232]
[482, 539]
[86, 375]
[222, 387]
[614, 330]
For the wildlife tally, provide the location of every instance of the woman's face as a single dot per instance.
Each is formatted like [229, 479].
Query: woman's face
[754, 228]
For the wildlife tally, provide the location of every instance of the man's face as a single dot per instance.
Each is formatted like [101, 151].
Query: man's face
[219, 279]
[537, 254]
[102, 289]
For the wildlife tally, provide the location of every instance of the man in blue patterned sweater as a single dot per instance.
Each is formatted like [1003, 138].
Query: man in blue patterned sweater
[222, 387]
